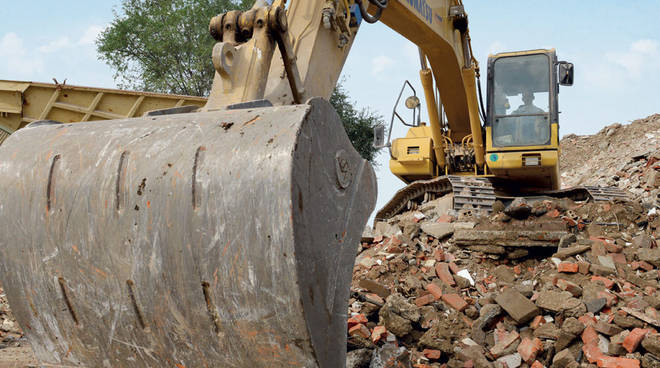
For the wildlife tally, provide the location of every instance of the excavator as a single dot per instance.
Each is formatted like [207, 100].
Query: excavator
[226, 237]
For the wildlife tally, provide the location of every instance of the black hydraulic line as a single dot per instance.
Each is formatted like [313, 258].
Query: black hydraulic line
[482, 111]
[380, 4]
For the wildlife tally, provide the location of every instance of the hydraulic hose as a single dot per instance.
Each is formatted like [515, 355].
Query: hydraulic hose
[380, 4]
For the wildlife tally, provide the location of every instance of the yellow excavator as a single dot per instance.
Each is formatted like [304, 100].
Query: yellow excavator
[226, 237]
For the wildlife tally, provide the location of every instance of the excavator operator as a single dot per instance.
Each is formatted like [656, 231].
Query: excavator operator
[530, 128]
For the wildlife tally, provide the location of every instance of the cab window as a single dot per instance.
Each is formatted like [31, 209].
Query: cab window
[521, 101]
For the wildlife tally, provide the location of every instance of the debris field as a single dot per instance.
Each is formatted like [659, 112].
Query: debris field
[537, 283]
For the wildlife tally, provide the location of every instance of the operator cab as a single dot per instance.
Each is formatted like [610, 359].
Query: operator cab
[522, 128]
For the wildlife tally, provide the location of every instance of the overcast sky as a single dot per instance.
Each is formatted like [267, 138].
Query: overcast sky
[615, 47]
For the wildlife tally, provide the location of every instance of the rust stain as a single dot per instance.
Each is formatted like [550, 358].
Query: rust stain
[75, 248]
[178, 174]
[148, 204]
[180, 365]
[224, 250]
[105, 275]
[251, 121]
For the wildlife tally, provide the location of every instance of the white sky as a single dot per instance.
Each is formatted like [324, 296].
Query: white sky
[615, 47]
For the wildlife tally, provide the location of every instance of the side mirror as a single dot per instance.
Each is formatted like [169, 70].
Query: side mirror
[379, 136]
[565, 73]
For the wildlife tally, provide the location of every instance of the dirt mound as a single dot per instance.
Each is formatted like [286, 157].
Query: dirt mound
[623, 156]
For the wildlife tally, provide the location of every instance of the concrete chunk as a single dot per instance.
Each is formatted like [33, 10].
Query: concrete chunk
[517, 306]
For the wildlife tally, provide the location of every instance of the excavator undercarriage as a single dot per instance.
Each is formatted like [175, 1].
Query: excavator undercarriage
[479, 194]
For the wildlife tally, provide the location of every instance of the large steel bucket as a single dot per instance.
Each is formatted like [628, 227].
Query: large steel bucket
[215, 239]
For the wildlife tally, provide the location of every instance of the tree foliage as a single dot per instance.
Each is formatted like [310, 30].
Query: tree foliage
[359, 124]
[164, 46]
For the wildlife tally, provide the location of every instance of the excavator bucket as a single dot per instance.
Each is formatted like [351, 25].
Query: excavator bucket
[211, 239]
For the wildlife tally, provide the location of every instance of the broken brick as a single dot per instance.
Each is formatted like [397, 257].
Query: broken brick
[615, 362]
[529, 349]
[432, 354]
[424, 300]
[567, 267]
[442, 271]
[455, 301]
[359, 330]
[378, 333]
[605, 281]
[634, 338]
[435, 290]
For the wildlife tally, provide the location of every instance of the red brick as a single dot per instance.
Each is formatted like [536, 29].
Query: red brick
[374, 298]
[528, 349]
[607, 282]
[619, 258]
[569, 286]
[631, 342]
[567, 267]
[537, 322]
[587, 319]
[442, 270]
[583, 267]
[613, 248]
[598, 246]
[432, 354]
[503, 343]
[454, 268]
[435, 290]
[359, 330]
[455, 301]
[614, 362]
[592, 352]
[537, 364]
[590, 336]
[424, 300]
[357, 319]
[642, 264]
[611, 298]
[378, 333]
[439, 255]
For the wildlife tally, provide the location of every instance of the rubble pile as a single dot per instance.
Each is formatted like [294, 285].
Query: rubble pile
[623, 156]
[579, 288]
[11, 334]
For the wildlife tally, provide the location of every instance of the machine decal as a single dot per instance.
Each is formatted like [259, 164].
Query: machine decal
[494, 157]
[423, 9]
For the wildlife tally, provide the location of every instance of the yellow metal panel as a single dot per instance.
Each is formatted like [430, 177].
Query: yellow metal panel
[11, 102]
[413, 156]
[24, 102]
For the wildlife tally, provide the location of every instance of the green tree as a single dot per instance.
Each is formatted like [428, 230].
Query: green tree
[164, 46]
[359, 124]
